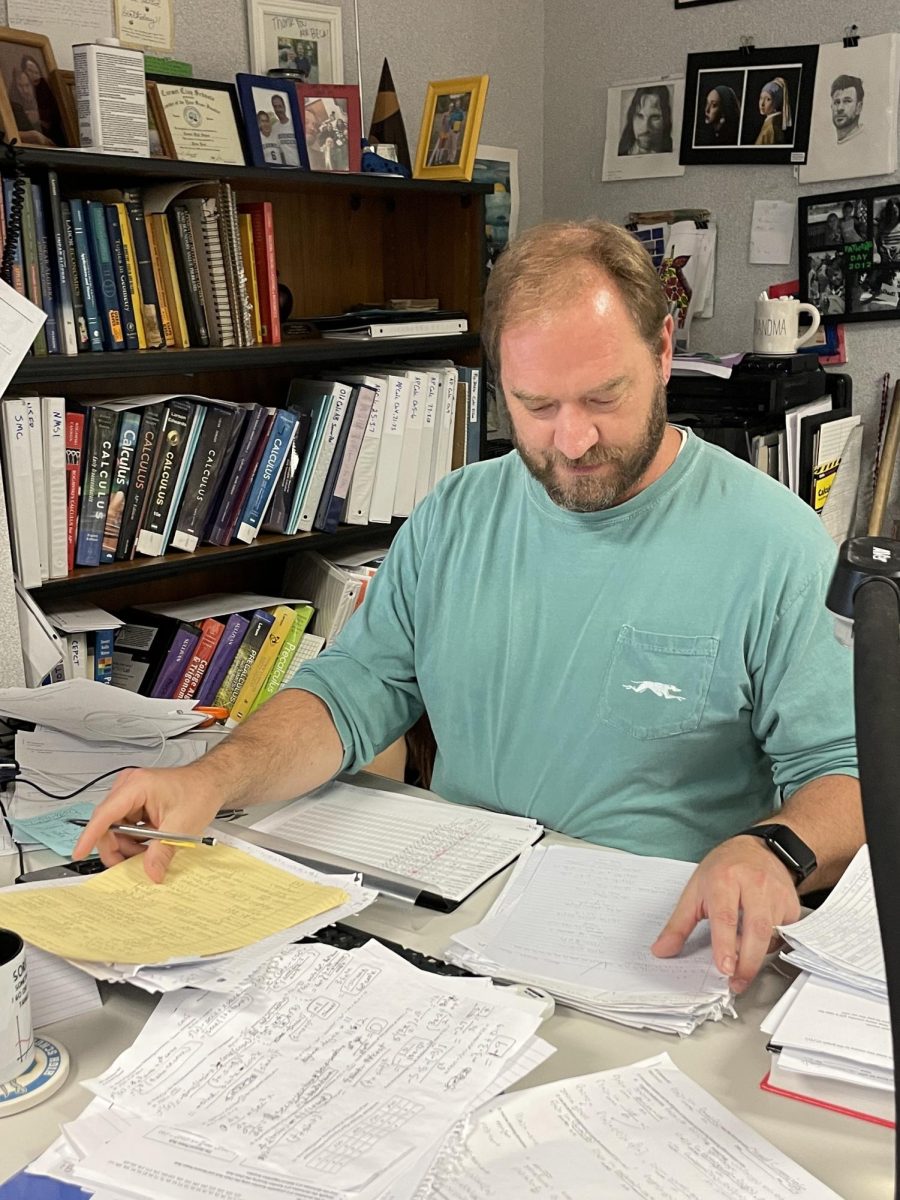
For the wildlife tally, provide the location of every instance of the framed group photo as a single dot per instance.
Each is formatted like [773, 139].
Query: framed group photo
[451, 123]
[33, 107]
[272, 122]
[850, 254]
[330, 120]
[746, 107]
[296, 37]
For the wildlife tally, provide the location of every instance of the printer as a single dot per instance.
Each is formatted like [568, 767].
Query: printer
[761, 389]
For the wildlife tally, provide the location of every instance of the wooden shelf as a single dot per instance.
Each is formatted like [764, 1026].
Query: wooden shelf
[126, 364]
[268, 545]
[85, 166]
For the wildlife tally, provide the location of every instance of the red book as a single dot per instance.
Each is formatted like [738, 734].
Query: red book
[74, 441]
[266, 273]
[210, 632]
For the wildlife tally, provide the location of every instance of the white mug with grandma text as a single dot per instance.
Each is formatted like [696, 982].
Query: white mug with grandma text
[776, 326]
[16, 1036]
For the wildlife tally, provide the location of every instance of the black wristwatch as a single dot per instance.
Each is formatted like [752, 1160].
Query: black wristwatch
[787, 847]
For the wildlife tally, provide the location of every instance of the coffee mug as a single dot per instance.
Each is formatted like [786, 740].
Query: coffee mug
[16, 1036]
[776, 327]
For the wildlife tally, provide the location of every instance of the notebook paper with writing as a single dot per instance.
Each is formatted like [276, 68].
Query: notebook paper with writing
[443, 851]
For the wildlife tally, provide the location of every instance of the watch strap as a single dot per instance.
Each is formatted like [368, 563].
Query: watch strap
[787, 846]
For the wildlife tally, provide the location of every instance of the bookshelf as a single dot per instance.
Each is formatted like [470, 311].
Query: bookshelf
[340, 240]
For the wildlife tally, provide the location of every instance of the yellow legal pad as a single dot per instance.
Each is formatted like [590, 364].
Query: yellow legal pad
[214, 899]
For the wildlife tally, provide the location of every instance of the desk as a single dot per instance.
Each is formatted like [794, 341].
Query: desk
[727, 1058]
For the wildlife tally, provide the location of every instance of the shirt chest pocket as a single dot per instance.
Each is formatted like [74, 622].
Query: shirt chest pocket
[657, 683]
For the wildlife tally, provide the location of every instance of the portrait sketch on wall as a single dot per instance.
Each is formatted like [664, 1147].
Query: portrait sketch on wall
[854, 114]
[643, 129]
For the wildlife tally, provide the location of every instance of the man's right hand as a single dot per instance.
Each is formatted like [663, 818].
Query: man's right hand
[176, 799]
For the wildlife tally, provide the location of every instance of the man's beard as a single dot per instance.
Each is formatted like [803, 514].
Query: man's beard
[627, 465]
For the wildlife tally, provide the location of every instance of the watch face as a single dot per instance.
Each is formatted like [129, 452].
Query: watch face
[792, 850]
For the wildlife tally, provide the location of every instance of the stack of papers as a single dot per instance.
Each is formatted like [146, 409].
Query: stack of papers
[327, 1074]
[643, 1130]
[830, 1033]
[580, 922]
[118, 926]
[428, 846]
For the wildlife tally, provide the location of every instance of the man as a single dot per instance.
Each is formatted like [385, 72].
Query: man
[847, 96]
[648, 123]
[619, 629]
[271, 147]
[283, 131]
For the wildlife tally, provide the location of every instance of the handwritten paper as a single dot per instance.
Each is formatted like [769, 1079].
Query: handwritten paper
[772, 231]
[214, 899]
[145, 24]
[64, 22]
[52, 828]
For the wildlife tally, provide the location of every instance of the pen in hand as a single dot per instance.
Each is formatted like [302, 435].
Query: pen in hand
[146, 832]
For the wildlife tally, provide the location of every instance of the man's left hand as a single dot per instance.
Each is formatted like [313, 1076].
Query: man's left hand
[744, 892]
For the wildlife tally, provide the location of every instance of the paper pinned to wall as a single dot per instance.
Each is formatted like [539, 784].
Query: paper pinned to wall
[64, 22]
[148, 25]
[772, 231]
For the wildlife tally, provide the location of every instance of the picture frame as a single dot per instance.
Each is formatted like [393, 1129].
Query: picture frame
[32, 106]
[849, 253]
[451, 124]
[203, 119]
[695, 3]
[499, 166]
[332, 130]
[272, 124]
[747, 107]
[161, 144]
[288, 34]
[643, 129]
[65, 81]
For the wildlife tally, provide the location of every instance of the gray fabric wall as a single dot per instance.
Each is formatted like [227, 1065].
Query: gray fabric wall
[590, 45]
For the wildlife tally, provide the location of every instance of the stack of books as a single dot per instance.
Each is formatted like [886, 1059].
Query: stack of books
[135, 269]
[830, 1034]
[103, 481]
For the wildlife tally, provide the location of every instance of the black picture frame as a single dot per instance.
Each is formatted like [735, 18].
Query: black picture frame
[696, 3]
[850, 281]
[204, 85]
[737, 80]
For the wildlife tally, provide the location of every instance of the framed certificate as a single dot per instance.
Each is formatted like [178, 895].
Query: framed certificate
[203, 119]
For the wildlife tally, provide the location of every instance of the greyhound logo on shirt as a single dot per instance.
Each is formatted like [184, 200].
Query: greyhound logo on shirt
[665, 691]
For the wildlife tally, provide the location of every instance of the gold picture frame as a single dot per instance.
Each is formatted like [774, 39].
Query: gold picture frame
[32, 105]
[451, 124]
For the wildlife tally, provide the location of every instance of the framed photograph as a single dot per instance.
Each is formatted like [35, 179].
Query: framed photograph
[499, 167]
[295, 36]
[695, 3]
[161, 144]
[451, 123]
[850, 254]
[203, 119]
[33, 108]
[643, 129]
[65, 86]
[854, 112]
[331, 126]
[272, 122]
[748, 106]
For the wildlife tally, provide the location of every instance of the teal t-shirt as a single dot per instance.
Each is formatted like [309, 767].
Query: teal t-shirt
[651, 677]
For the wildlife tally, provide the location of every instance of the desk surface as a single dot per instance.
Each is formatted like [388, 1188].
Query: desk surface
[854, 1158]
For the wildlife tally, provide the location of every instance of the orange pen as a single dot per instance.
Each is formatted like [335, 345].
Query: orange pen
[212, 714]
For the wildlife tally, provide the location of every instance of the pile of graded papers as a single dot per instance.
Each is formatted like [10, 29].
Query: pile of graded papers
[221, 911]
[579, 922]
[830, 1034]
[326, 1074]
[644, 1130]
